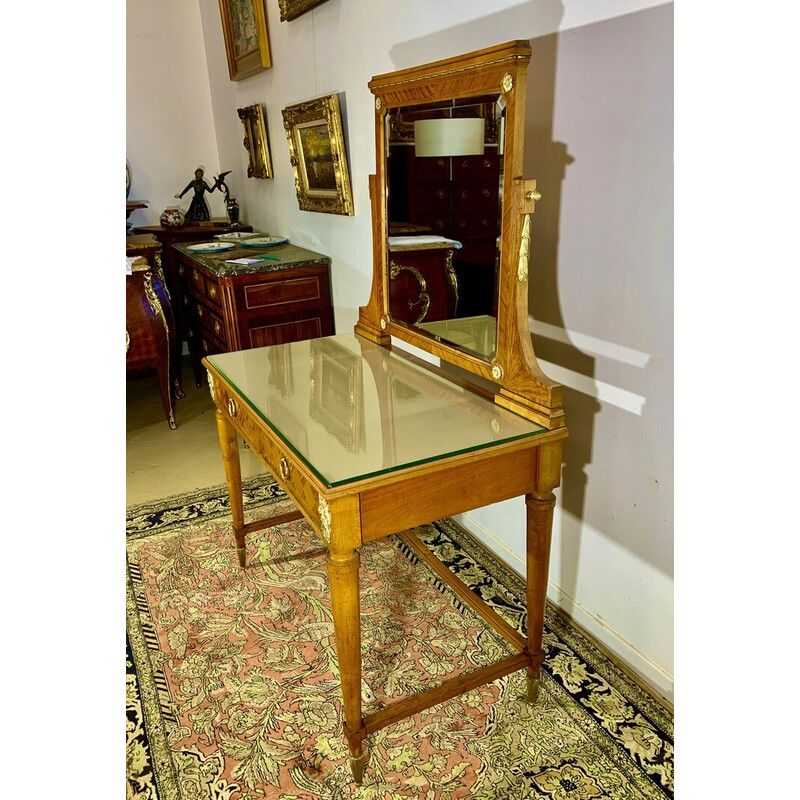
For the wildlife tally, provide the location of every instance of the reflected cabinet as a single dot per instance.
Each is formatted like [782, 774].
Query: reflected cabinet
[370, 441]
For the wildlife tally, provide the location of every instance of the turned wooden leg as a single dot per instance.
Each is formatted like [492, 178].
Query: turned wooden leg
[343, 573]
[341, 526]
[233, 476]
[540, 504]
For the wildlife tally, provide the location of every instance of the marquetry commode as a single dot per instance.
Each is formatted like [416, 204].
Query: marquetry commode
[370, 441]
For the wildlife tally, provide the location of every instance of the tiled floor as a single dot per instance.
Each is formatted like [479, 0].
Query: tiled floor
[161, 461]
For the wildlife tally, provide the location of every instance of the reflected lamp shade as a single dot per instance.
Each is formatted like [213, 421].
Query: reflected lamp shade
[449, 137]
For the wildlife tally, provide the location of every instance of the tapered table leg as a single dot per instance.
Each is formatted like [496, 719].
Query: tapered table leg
[342, 528]
[540, 504]
[233, 476]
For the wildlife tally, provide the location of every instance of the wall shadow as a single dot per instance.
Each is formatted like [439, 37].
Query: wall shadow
[617, 49]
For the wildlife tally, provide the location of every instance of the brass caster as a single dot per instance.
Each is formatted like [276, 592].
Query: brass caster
[242, 553]
[357, 768]
[533, 689]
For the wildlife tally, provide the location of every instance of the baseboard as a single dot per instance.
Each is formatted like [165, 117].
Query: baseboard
[653, 678]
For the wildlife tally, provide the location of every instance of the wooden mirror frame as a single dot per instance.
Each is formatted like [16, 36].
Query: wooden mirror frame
[522, 385]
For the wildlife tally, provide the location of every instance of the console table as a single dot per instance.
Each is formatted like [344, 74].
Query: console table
[378, 441]
[236, 307]
[362, 461]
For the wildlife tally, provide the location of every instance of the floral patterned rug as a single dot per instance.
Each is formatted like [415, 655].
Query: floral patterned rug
[233, 684]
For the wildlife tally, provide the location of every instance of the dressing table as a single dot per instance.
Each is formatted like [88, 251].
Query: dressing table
[369, 441]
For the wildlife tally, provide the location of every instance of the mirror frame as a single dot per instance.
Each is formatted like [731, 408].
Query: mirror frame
[522, 385]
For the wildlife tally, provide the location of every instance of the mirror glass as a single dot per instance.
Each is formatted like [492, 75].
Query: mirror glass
[445, 186]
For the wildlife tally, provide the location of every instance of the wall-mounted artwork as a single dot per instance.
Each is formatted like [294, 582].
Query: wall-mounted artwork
[255, 141]
[244, 27]
[318, 155]
[294, 8]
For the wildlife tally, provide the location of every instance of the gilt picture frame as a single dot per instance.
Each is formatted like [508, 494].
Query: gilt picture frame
[255, 141]
[291, 9]
[244, 28]
[318, 155]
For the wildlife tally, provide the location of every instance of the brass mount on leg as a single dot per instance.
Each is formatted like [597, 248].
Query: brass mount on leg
[242, 553]
[533, 689]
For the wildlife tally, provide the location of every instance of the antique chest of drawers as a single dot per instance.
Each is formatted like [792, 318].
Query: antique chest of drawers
[235, 307]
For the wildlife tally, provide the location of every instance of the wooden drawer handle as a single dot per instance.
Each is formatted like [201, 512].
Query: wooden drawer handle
[232, 407]
[283, 468]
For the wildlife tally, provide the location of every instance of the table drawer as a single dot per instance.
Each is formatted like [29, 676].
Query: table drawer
[279, 460]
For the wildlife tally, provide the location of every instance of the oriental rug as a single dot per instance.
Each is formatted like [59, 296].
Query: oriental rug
[233, 683]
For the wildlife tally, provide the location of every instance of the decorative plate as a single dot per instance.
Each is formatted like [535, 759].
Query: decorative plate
[237, 236]
[211, 247]
[264, 241]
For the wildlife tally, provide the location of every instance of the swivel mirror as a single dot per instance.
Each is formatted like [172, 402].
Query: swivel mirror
[451, 222]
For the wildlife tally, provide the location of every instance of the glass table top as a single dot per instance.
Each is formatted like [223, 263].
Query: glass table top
[351, 409]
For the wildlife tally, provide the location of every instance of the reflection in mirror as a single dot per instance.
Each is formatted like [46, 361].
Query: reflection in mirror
[445, 185]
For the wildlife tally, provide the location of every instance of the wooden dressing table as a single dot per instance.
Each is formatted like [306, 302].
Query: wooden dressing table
[369, 441]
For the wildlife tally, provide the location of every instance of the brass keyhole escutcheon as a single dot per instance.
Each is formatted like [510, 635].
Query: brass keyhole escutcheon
[232, 407]
[283, 468]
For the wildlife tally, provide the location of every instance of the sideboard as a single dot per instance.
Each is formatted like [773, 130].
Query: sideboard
[285, 298]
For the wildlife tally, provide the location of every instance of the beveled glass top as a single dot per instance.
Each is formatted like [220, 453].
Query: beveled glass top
[351, 409]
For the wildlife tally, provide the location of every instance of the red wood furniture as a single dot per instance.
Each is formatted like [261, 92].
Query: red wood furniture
[150, 344]
[230, 307]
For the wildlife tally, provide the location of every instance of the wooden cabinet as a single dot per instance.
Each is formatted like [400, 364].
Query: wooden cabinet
[177, 234]
[229, 307]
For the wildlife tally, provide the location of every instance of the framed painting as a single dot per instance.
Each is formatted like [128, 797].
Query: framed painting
[318, 156]
[244, 27]
[255, 141]
[294, 8]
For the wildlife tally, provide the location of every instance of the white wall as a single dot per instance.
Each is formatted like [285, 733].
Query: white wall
[169, 124]
[599, 141]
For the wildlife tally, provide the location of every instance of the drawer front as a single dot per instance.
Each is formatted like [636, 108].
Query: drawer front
[474, 195]
[432, 196]
[210, 322]
[197, 282]
[307, 288]
[474, 224]
[280, 461]
[475, 167]
[213, 291]
[430, 168]
[437, 221]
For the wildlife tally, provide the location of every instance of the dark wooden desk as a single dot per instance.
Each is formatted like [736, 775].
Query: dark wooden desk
[231, 307]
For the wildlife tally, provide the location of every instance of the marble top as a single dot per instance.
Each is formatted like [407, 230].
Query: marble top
[289, 256]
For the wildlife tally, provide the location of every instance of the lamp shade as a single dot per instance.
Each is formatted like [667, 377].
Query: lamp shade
[449, 137]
